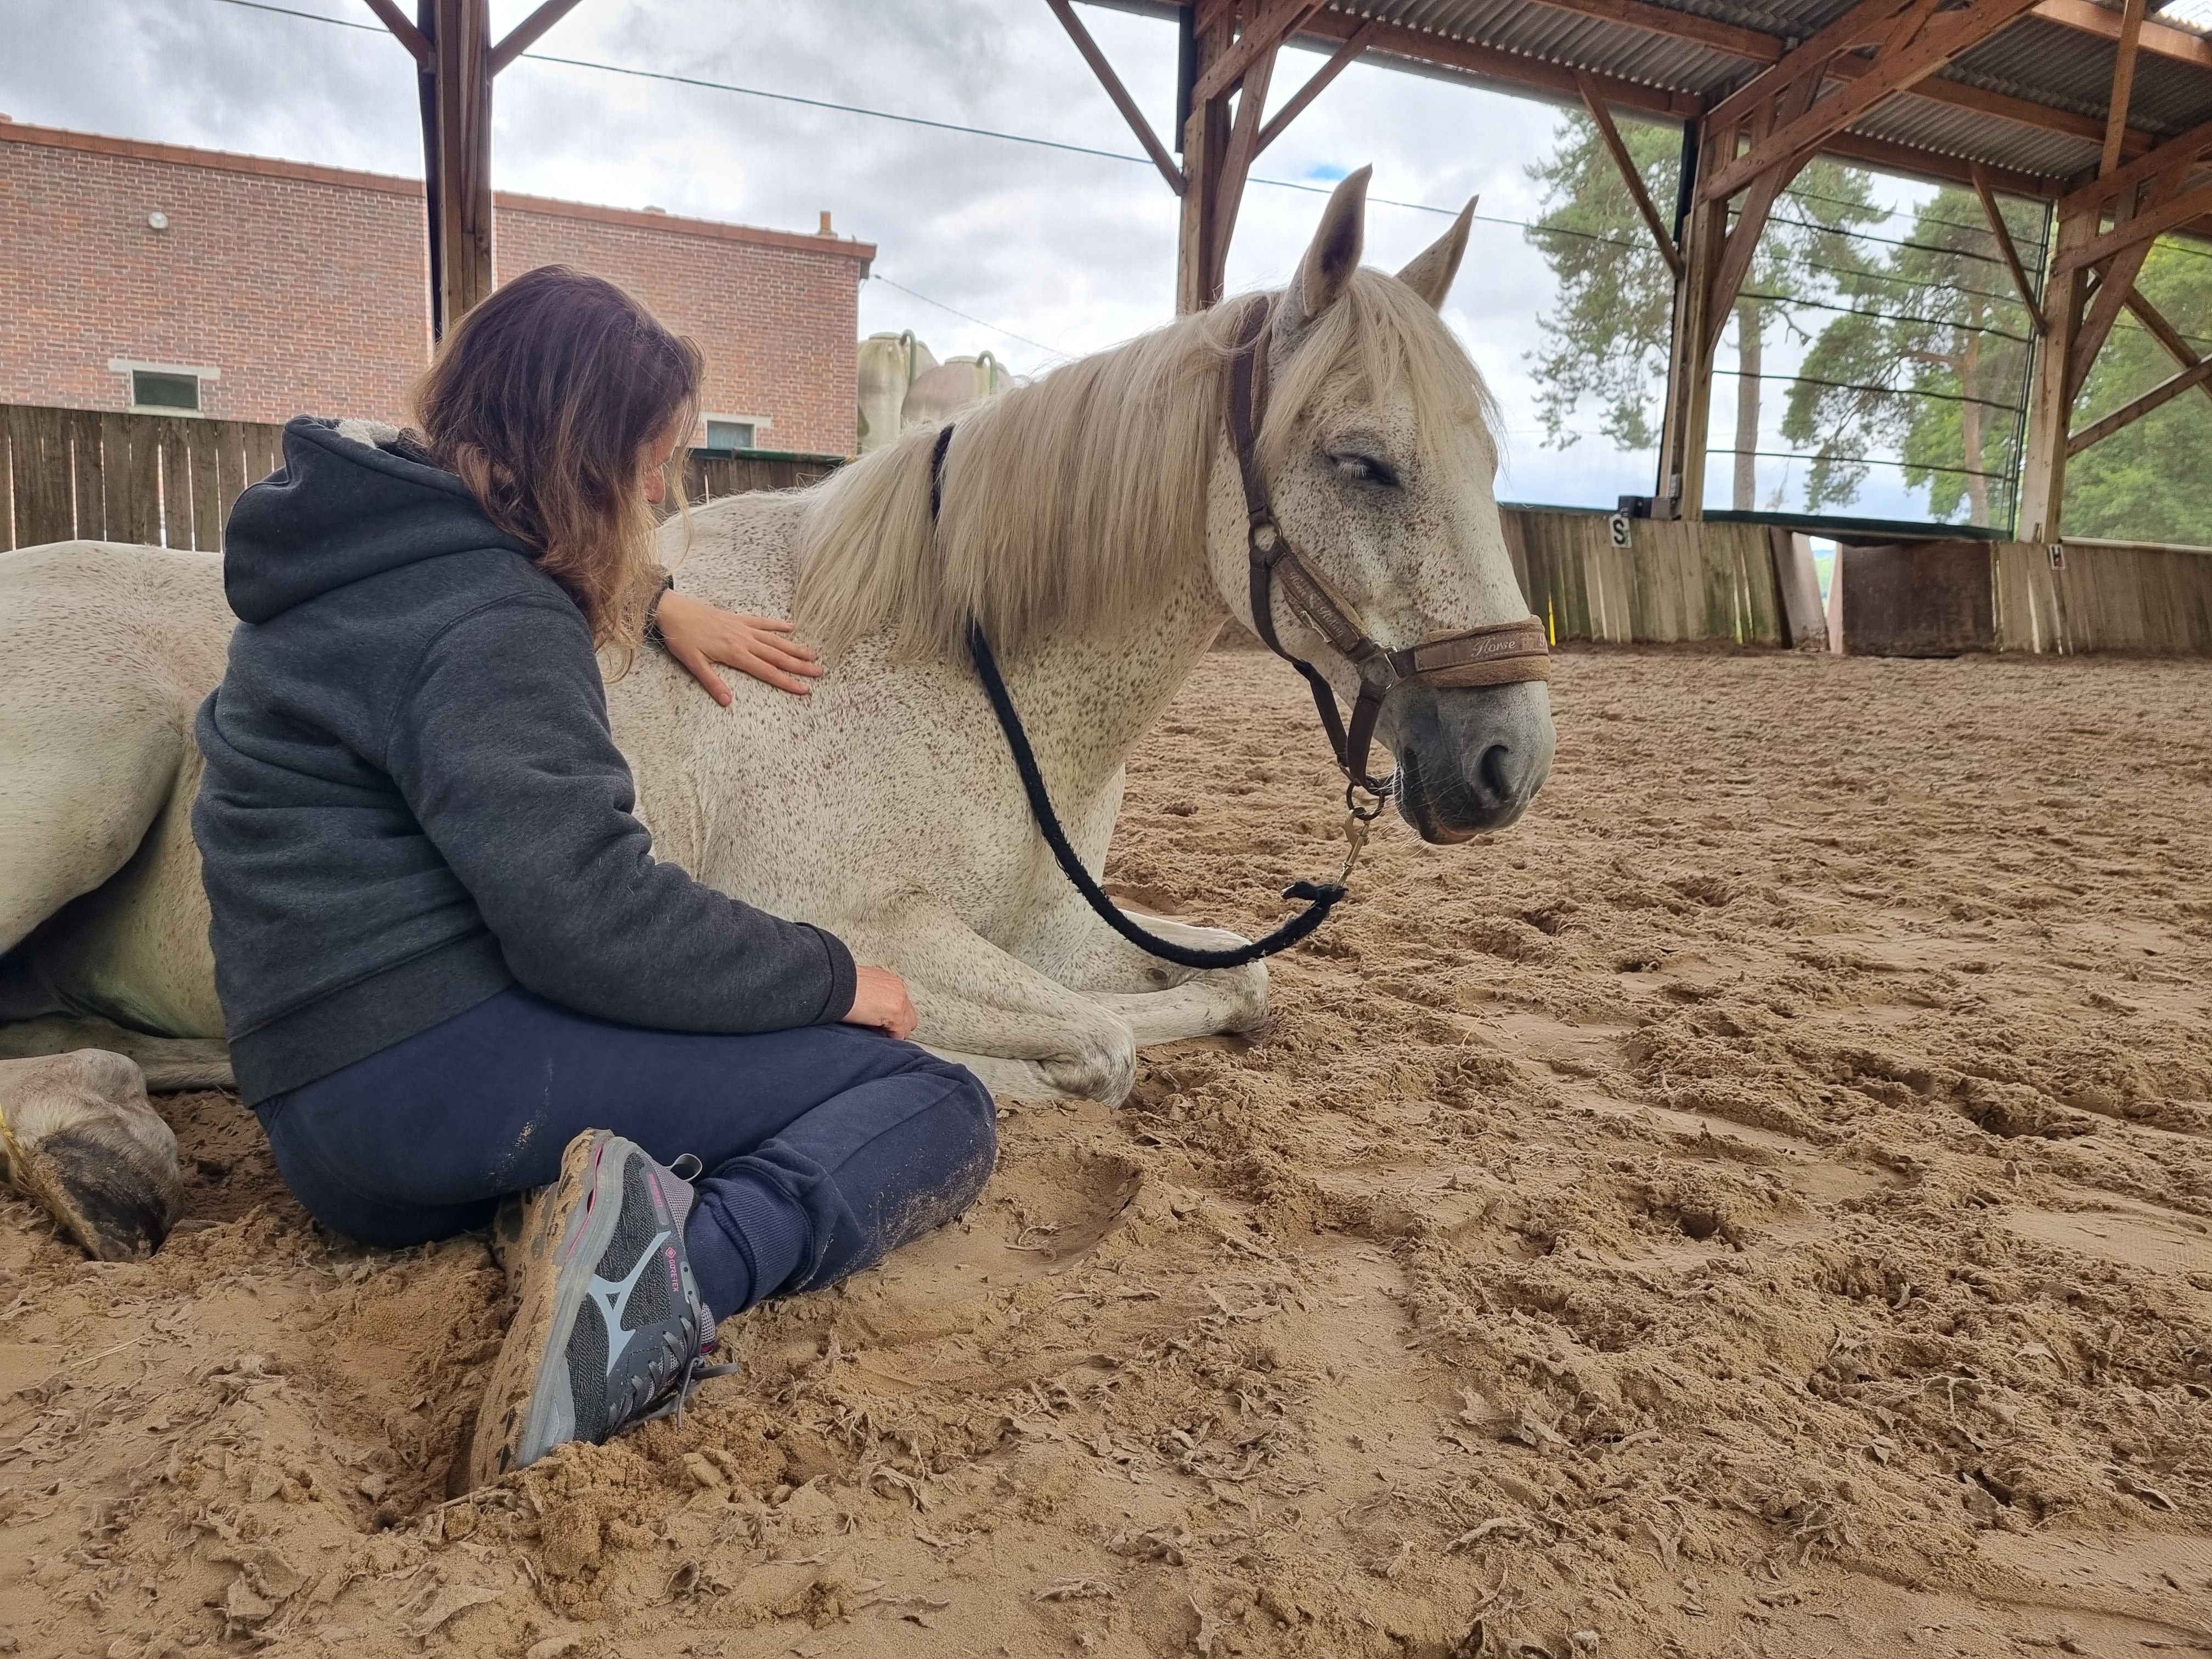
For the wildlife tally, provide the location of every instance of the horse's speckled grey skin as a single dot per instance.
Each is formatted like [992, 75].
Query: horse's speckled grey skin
[884, 806]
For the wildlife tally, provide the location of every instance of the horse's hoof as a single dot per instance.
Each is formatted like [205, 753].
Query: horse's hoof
[80, 1139]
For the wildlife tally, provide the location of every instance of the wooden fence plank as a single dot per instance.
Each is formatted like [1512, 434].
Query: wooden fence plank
[91, 477]
[43, 510]
[265, 453]
[228, 450]
[203, 447]
[142, 481]
[81, 432]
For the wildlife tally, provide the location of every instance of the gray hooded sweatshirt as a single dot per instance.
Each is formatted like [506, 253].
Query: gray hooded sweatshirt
[412, 801]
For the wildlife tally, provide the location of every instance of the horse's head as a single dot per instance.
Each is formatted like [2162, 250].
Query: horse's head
[1378, 463]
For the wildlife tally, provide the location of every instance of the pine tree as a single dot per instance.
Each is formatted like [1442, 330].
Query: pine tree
[1931, 364]
[2146, 481]
[1607, 340]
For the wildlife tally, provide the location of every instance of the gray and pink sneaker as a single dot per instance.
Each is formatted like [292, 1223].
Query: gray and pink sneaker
[610, 1328]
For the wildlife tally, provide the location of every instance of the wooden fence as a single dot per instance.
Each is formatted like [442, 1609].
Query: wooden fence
[2106, 596]
[1673, 581]
[710, 473]
[168, 480]
[164, 479]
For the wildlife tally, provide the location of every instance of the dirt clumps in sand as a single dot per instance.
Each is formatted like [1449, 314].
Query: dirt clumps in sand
[1759, 1205]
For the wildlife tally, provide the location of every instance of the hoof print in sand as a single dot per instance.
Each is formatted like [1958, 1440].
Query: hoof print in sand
[80, 1140]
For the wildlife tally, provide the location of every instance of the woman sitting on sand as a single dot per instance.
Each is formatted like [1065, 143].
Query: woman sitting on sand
[445, 949]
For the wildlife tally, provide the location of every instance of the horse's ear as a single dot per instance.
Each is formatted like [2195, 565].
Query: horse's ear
[1332, 255]
[1429, 272]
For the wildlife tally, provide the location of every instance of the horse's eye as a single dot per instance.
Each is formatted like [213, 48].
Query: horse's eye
[1364, 469]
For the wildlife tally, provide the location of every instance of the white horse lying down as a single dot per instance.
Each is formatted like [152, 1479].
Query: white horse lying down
[1093, 522]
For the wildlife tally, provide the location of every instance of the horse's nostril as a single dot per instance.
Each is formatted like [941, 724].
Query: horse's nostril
[1500, 772]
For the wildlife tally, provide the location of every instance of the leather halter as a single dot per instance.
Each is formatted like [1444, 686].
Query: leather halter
[1497, 653]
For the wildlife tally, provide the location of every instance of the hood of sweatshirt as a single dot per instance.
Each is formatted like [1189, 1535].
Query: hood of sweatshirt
[352, 499]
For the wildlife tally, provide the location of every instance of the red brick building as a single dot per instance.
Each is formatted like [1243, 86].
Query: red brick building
[154, 277]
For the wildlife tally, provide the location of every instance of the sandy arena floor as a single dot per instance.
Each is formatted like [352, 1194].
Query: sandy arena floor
[1758, 1205]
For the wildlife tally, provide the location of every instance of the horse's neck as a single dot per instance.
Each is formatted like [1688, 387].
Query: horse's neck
[1088, 699]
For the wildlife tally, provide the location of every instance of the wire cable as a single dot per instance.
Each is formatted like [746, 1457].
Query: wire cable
[1856, 460]
[878, 277]
[1862, 386]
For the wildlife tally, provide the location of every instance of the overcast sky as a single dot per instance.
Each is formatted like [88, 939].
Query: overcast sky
[1049, 253]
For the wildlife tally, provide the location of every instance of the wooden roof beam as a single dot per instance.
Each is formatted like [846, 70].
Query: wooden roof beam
[2164, 332]
[527, 33]
[1902, 159]
[1629, 175]
[2043, 117]
[2145, 227]
[1489, 64]
[1863, 25]
[1756, 45]
[2128, 413]
[2123, 86]
[1275, 24]
[2160, 39]
[403, 30]
[2183, 150]
[1316, 84]
[2003, 233]
[1914, 47]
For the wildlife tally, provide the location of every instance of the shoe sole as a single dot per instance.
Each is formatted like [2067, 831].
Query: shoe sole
[561, 1247]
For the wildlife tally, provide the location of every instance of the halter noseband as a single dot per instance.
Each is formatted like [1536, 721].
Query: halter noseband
[1497, 653]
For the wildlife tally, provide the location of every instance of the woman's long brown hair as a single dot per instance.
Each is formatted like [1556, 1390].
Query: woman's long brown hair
[542, 399]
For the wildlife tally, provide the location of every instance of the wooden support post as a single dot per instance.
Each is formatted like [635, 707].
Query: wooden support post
[457, 156]
[451, 43]
[1204, 148]
[1218, 150]
[1689, 365]
[2050, 402]
[1236, 164]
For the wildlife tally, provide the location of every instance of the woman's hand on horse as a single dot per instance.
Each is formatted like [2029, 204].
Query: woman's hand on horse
[879, 999]
[700, 635]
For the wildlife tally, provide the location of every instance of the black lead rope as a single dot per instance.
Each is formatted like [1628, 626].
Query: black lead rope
[1321, 896]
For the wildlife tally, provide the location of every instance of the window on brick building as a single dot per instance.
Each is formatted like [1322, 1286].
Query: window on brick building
[150, 389]
[724, 432]
[164, 388]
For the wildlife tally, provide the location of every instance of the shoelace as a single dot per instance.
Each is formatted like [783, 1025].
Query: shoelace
[662, 1380]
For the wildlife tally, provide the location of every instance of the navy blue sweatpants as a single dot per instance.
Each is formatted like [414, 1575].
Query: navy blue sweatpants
[824, 1148]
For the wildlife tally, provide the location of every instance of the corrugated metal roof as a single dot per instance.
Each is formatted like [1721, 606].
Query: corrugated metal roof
[2033, 60]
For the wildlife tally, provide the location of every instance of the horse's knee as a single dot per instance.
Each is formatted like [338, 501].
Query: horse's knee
[1244, 994]
[81, 1140]
[1102, 1066]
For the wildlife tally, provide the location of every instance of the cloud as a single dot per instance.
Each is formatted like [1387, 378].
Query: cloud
[1057, 254]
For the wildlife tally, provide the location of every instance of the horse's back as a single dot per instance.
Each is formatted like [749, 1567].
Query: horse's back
[112, 610]
[104, 651]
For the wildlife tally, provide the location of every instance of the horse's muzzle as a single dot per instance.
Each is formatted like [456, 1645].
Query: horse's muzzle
[1470, 759]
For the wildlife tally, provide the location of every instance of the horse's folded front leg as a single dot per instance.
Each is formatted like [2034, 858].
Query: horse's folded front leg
[1024, 1034]
[1161, 1001]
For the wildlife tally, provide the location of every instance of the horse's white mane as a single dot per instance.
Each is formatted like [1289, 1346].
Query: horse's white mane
[1077, 500]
